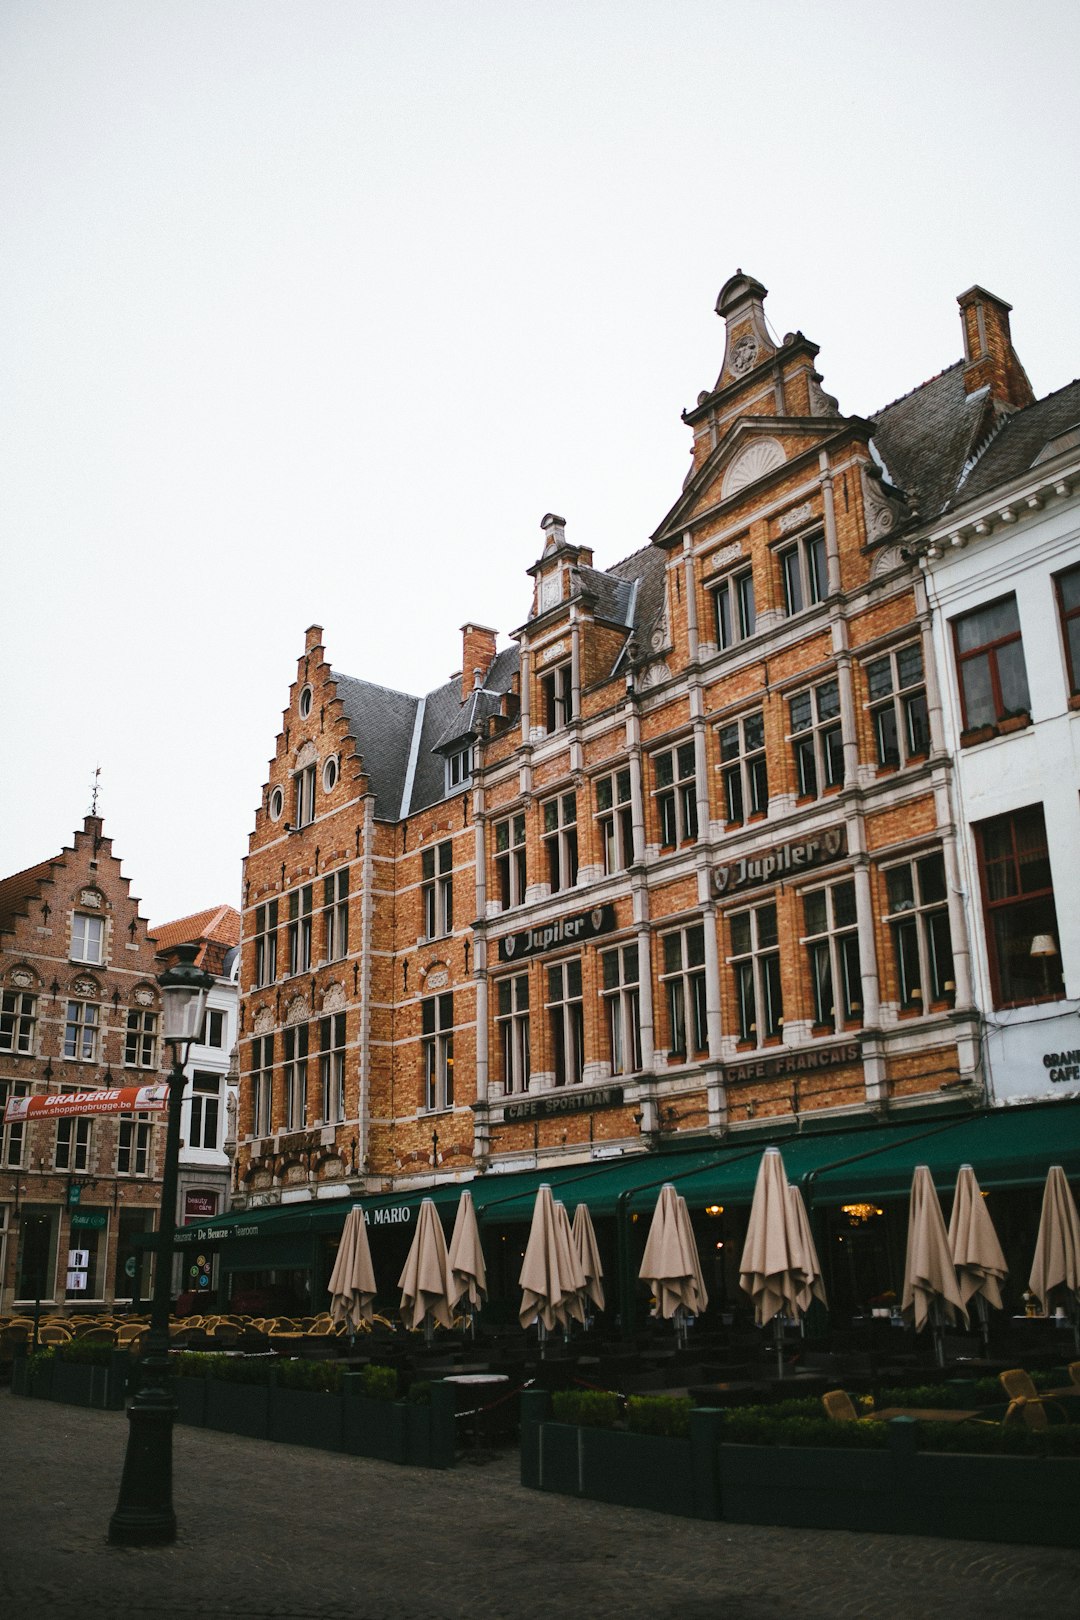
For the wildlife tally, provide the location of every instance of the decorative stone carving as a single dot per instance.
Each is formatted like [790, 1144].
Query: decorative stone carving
[308, 754]
[85, 987]
[264, 1021]
[744, 352]
[795, 517]
[262, 1180]
[654, 674]
[90, 897]
[298, 1011]
[886, 561]
[293, 1174]
[883, 511]
[22, 978]
[334, 999]
[759, 458]
[144, 995]
[331, 1170]
[437, 979]
[821, 403]
[726, 554]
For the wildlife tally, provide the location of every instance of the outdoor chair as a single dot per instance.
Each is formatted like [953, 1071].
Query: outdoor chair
[1074, 1373]
[53, 1333]
[99, 1334]
[1025, 1403]
[839, 1406]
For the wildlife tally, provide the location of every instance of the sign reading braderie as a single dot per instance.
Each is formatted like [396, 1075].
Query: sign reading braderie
[562, 931]
[109, 1100]
[785, 860]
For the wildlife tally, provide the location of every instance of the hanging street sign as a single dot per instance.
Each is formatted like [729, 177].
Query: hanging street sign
[109, 1100]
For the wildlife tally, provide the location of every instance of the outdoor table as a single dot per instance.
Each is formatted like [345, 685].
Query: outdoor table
[482, 1385]
[926, 1414]
[737, 1392]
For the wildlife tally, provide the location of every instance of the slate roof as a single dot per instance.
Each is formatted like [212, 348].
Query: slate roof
[381, 720]
[1022, 436]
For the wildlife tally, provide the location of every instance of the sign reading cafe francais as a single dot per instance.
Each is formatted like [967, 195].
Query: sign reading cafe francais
[785, 860]
[551, 935]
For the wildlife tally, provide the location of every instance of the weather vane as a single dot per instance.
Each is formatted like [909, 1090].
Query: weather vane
[96, 789]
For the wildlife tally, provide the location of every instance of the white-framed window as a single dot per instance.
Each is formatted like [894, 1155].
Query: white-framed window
[266, 922]
[307, 698]
[832, 950]
[556, 697]
[18, 1022]
[804, 572]
[140, 1039]
[676, 794]
[622, 1005]
[990, 664]
[437, 1023]
[304, 796]
[510, 861]
[743, 767]
[336, 912]
[81, 1025]
[918, 918]
[330, 774]
[73, 1138]
[133, 1138]
[459, 768]
[262, 1085]
[296, 1062]
[332, 1068]
[276, 804]
[616, 820]
[897, 704]
[817, 740]
[213, 1030]
[437, 889]
[13, 1136]
[566, 1021]
[683, 979]
[561, 841]
[87, 938]
[205, 1110]
[734, 612]
[755, 966]
[300, 904]
[512, 1019]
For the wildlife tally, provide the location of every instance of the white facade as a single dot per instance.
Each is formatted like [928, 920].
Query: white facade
[1017, 544]
[207, 1132]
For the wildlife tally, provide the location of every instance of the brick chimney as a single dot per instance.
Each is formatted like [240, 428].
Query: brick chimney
[313, 637]
[478, 653]
[990, 361]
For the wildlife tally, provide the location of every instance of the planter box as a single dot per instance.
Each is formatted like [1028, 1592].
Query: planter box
[238, 1408]
[191, 1400]
[375, 1428]
[78, 1384]
[401, 1432]
[628, 1470]
[307, 1417]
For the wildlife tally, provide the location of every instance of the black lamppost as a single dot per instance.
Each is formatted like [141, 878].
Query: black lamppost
[144, 1512]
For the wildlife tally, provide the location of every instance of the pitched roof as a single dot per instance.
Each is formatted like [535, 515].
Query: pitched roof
[1023, 434]
[926, 437]
[382, 721]
[218, 923]
[18, 890]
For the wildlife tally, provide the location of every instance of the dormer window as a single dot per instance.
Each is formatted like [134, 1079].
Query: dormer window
[459, 768]
[556, 697]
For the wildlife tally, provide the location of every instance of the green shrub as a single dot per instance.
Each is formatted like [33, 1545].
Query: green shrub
[587, 1408]
[84, 1355]
[420, 1392]
[667, 1415]
[40, 1359]
[1004, 1440]
[380, 1383]
[745, 1426]
[324, 1376]
[230, 1369]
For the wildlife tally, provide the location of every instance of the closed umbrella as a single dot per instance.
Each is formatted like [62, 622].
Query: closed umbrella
[588, 1255]
[774, 1259]
[426, 1282]
[973, 1243]
[549, 1277]
[352, 1281]
[467, 1259]
[670, 1263]
[808, 1267]
[931, 1290]
[575, 1276]
[1056, 1267]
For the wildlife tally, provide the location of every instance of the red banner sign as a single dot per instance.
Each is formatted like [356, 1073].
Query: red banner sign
[61, 1105]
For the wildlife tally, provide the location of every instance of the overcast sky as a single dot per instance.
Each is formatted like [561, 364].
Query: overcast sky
[311, 310]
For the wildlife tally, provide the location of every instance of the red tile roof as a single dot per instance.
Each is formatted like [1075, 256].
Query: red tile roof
[221, 924]
[18, 890]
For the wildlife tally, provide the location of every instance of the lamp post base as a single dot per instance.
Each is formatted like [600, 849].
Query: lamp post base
[144, 1514]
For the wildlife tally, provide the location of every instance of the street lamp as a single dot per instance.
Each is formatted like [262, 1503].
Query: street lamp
[144, 1514]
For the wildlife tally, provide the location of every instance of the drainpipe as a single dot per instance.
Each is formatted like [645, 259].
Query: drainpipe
[367, 907]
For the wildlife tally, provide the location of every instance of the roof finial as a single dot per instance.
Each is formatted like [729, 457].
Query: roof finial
[95, 790]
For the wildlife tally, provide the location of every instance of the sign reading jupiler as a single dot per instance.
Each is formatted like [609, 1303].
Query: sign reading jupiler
[563, 931]
[781, 862]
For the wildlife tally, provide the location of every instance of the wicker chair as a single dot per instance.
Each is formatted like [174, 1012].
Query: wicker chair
[53, 1333]
[1026, 1405]
[1074, 1373]
[839, 1406]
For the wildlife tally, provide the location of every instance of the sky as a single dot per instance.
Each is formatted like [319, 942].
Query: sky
[309, 311]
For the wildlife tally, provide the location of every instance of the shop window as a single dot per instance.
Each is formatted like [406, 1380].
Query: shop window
[734, 613]
[84, 1263]
[510, 861]
[81, 1031]
[35, 1266]
[336, 914]
[1019, 909]
[262, 1085]
[755, 965]
[296, 1062]
[561, 841]
[676, 794]
[990, 665]
[566, 1021]
[556, 697]
[437, 890]
[304, 796]
[683, 979]
[12, 1136]
[133, 1138]
[615, 820]
[1067, 586]
[438, 1047]
[832, 948]
[918, 918]
[804, 573]
[266, 922]
[18, 1022]
[300, 903]
[898, 706]
[817, 739]
[622, 1003]
[205, 1111]
[140, 1039]
[743, 767]
[512, 1019]
[87, 938]
[332, 1068]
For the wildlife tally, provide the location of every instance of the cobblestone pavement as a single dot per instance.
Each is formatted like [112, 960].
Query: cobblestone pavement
[276, 1532]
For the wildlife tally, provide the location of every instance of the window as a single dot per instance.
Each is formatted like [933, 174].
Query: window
[262, 1085]
[733, 608]
[140, 1039]
[918, 918]
[438, 890]
[622, 1002]
[296, 1058]
[133, 1145]
[755, 965]
[990, 664]
[18, 1020]
[512, 1019]
[459, 768]
[276, 804]
[330, 774]
[336, 912]
[743, 768]
[560, 841]
[205, 1110]
[510, 861]
[817, 739]
[683, 978]
[213, 1030]
[72, 1141]
[300, 930]
[13, 1136]
[898, 706]
[306, 700]
[438, 1046]
[266, 920]
[1068, 599]
[676, 794]
[1018, 903]
[556, 697]
[304, 800]
[566, 1021]
[81, 1031]
[332, 1068]
[832, 947]
[87, 938]
[616, 820]
[804, 572]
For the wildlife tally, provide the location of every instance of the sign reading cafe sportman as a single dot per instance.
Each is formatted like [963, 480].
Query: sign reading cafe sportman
[110, 1100]
[785, 860]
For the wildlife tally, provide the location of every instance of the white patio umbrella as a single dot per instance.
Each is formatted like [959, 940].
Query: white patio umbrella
[931, 1290]
[1055, 1269]
[774, 1260]
[670, 1264]
[973, 1243]
[808, 1269]
[549, 1276]
[426, 1282]
[588, 1255]
[352, 1281]
[576, 1294]
[467, 1260]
